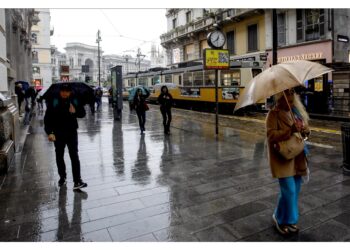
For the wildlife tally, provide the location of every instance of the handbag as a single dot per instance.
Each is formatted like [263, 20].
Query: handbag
[292, 147]
[145, 106]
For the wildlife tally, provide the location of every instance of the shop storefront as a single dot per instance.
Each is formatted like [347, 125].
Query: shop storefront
[317, 96]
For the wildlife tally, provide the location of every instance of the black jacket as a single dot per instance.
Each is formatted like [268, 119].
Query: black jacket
[139, 103]
[164, 102]
[58, 119]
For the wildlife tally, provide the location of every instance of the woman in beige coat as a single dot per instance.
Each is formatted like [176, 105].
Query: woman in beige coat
[279, 127]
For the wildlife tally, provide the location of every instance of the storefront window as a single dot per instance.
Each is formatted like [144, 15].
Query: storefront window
[209, 78]
[188, 79]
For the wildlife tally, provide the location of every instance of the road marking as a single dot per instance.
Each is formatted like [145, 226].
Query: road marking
[319, 145]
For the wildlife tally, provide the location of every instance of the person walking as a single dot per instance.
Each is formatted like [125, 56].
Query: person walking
[20, 96]
[98, 98]
[61, 127]
[280, 126]
[141, 107]
[165, 100]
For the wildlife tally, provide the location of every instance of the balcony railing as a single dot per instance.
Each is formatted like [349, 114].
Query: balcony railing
[193, 26]
[209, 19]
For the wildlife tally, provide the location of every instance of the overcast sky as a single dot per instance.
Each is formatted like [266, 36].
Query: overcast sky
[121, 29]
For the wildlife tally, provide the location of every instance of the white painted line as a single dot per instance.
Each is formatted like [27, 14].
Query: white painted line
[319, 145]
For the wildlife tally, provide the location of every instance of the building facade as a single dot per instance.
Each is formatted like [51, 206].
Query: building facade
[187, 31]
[319, 35]
[15, 65]
[128, 63]
[41, 50]
[79, 54]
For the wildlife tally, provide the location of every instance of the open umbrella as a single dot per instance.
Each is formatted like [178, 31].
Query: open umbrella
[279, 78]
[132, 92]
[83, 92]
[25, 85]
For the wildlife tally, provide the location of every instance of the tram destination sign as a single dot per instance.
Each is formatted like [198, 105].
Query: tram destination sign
[216, 59]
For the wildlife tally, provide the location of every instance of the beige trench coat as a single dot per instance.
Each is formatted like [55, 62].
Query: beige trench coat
[279, 128]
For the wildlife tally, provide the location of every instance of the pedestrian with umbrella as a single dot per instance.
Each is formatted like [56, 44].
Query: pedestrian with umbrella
[286, 129]
[141, 106]
[64, 105]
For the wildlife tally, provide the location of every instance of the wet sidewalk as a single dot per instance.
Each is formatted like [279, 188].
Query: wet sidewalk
[184, 187]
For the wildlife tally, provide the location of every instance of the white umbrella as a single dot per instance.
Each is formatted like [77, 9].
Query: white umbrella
[279, 78]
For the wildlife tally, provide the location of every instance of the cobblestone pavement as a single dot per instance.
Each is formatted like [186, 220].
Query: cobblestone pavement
[188, 186]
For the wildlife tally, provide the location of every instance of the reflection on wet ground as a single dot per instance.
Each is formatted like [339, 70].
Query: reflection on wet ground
[188, 186]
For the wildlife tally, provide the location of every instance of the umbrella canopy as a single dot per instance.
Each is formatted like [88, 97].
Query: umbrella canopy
[279, 78]
[83, 92]
[145, 91]
[25, 85]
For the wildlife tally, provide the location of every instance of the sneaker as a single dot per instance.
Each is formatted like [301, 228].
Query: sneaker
[62, 182]
[79, 185]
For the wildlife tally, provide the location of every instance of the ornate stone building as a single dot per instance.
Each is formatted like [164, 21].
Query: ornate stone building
[15, 65]
[42, 73]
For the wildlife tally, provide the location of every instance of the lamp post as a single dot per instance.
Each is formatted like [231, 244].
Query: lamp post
[98, 40]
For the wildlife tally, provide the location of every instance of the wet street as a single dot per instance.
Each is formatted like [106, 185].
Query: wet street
[188, 186]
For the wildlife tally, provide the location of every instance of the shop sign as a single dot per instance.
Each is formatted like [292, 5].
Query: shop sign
[344, 39]
[216, 59]
[308, 56]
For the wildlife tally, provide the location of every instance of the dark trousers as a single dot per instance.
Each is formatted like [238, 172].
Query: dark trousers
[71, 140]
[98, 101]
[166, 113]
[141, 114]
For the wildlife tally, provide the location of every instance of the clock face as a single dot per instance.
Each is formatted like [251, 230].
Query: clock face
[217, 39]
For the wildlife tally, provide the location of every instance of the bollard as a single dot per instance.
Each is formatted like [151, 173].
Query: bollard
[345, 131]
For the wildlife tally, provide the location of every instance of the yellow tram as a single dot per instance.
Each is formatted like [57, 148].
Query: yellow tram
[194, 87]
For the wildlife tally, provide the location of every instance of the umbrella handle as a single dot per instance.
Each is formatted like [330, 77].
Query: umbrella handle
[291, 112]
[290, 109]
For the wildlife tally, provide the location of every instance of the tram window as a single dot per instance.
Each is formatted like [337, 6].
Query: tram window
[188, 79]
[198, 78]
[143, 81]
[168, 78]
[230, 78]
[209, 77]
[256, 72]
[177, 79]
[155, 80]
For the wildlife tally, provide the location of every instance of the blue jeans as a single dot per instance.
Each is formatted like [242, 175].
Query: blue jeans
[287, 211]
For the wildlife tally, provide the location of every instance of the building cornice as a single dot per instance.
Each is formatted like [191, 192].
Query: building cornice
[302, 44]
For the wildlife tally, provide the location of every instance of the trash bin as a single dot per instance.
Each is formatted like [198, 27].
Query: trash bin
[345, 132]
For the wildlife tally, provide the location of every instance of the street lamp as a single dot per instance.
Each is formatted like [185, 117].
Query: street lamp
[98, 40]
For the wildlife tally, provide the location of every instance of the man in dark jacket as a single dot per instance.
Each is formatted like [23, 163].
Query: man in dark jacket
[61, 127]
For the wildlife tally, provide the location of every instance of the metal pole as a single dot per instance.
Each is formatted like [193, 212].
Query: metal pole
[99, 57]
[274, 37]
[216, 102]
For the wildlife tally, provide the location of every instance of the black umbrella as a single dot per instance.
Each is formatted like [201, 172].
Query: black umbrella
[83, 92]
